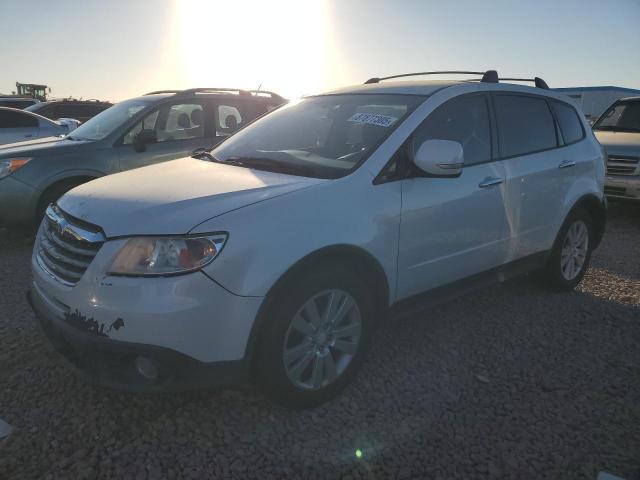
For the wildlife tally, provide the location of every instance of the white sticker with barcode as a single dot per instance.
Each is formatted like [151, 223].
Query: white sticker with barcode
[373, 119]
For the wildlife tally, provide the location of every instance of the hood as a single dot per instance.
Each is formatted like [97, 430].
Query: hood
[619, 143]
[39, 146]
[173, 197]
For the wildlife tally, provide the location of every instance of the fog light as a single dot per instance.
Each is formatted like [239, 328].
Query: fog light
[146, 368]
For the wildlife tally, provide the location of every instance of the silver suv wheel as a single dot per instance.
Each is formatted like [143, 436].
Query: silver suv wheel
[322, 339]
[574, 250]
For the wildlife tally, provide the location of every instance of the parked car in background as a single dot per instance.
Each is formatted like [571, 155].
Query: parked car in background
[81, 110]
[153, 128]
[276, 253]
[618, 130]
[19, 125]
[593, 101]
[18, 102]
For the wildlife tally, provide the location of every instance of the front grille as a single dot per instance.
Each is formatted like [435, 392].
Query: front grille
[620, 165]
[65, 248]
[615, 190]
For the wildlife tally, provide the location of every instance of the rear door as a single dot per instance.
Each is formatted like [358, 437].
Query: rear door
[452, 228]
[528, 140]
[180, 127]
[17, 126]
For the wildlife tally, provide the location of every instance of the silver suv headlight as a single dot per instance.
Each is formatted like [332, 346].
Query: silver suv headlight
[10, 165]
[152, 256]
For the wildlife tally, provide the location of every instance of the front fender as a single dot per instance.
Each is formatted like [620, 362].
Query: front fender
[266, 239]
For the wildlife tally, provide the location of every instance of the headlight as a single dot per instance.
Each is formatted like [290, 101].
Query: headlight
[10, 165]
[143, 256]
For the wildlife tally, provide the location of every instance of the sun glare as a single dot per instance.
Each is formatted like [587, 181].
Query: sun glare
[280, 45]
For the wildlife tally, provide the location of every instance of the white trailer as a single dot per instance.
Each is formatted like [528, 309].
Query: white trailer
[594, 100]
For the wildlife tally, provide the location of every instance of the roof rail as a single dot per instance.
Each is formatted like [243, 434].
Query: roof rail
[236, 91]
[490, 76]
[155, 92]
[537, 81]
[273, 95]
[487, 76]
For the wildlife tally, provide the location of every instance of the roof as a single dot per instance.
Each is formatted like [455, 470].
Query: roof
[596, 89]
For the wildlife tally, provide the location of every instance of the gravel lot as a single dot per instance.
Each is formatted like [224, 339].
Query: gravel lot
[512, 382]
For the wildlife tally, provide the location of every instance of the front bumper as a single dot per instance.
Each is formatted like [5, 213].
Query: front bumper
[17, 201]
[112, 363]
[193, 330]
[622, 187]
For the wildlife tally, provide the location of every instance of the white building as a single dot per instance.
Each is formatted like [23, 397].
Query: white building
[594, 100]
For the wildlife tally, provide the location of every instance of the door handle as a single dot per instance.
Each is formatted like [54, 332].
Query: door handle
[490, 182]
[566, 164]
[28, 135]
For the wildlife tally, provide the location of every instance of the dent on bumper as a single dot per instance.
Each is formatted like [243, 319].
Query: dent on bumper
[113, 363]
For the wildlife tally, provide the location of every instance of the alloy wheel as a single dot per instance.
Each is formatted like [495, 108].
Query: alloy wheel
[574, 250]
[322, 339]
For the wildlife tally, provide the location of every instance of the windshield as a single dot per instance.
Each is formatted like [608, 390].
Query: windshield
[622, 116]
[108, 120]
[325, 137]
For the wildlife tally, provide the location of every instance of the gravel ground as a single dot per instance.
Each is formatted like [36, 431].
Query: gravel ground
[511, 382]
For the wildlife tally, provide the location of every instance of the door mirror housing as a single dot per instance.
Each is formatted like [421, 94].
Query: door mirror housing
[143, 138]
[439, 158]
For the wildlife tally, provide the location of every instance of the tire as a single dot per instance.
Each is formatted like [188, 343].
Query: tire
[51, 195]
[319, 348]
[564, 272]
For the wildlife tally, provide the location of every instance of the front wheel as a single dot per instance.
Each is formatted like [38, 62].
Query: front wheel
[571, 252]
[316, 337]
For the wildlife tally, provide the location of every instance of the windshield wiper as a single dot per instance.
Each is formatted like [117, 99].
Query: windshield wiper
[268, 164]
[203, 153]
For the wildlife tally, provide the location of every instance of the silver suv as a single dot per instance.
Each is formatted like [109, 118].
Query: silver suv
[618, 130]
[275, 254]
[153, 128]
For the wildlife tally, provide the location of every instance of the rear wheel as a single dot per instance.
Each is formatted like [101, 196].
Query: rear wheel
[316, 337]
[571, 253]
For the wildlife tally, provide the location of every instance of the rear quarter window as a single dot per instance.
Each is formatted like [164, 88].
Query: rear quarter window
[525, 125]
[570, 125]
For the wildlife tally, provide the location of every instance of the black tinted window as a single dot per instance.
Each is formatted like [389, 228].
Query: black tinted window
[12, 119]
[570, 125]
[525, 125]
[464, 120]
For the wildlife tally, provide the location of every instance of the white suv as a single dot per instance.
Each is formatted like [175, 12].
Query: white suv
[274, 255]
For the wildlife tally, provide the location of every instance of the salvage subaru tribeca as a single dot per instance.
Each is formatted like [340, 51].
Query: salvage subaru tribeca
[273, 256]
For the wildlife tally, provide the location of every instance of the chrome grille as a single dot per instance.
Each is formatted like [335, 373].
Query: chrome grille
[66, 248]
[620, 165]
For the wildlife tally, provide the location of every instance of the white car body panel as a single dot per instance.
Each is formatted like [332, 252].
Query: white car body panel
[182, 192]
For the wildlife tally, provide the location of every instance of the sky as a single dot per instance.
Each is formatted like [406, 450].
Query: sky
[117, 49]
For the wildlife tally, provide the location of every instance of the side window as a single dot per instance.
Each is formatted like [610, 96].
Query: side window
[147, 123]
[570, 125]
[183, 121]
[465, 120]
[525, 125]
[229, 118]
[180, 121]
[9, 119]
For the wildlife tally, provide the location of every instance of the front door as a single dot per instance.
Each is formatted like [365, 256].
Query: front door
[452, 228]
[179, 128]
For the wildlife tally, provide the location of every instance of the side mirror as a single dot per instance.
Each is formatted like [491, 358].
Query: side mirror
[441, 158]
[143, 138]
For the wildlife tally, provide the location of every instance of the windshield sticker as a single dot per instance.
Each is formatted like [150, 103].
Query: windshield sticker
[373, 119]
